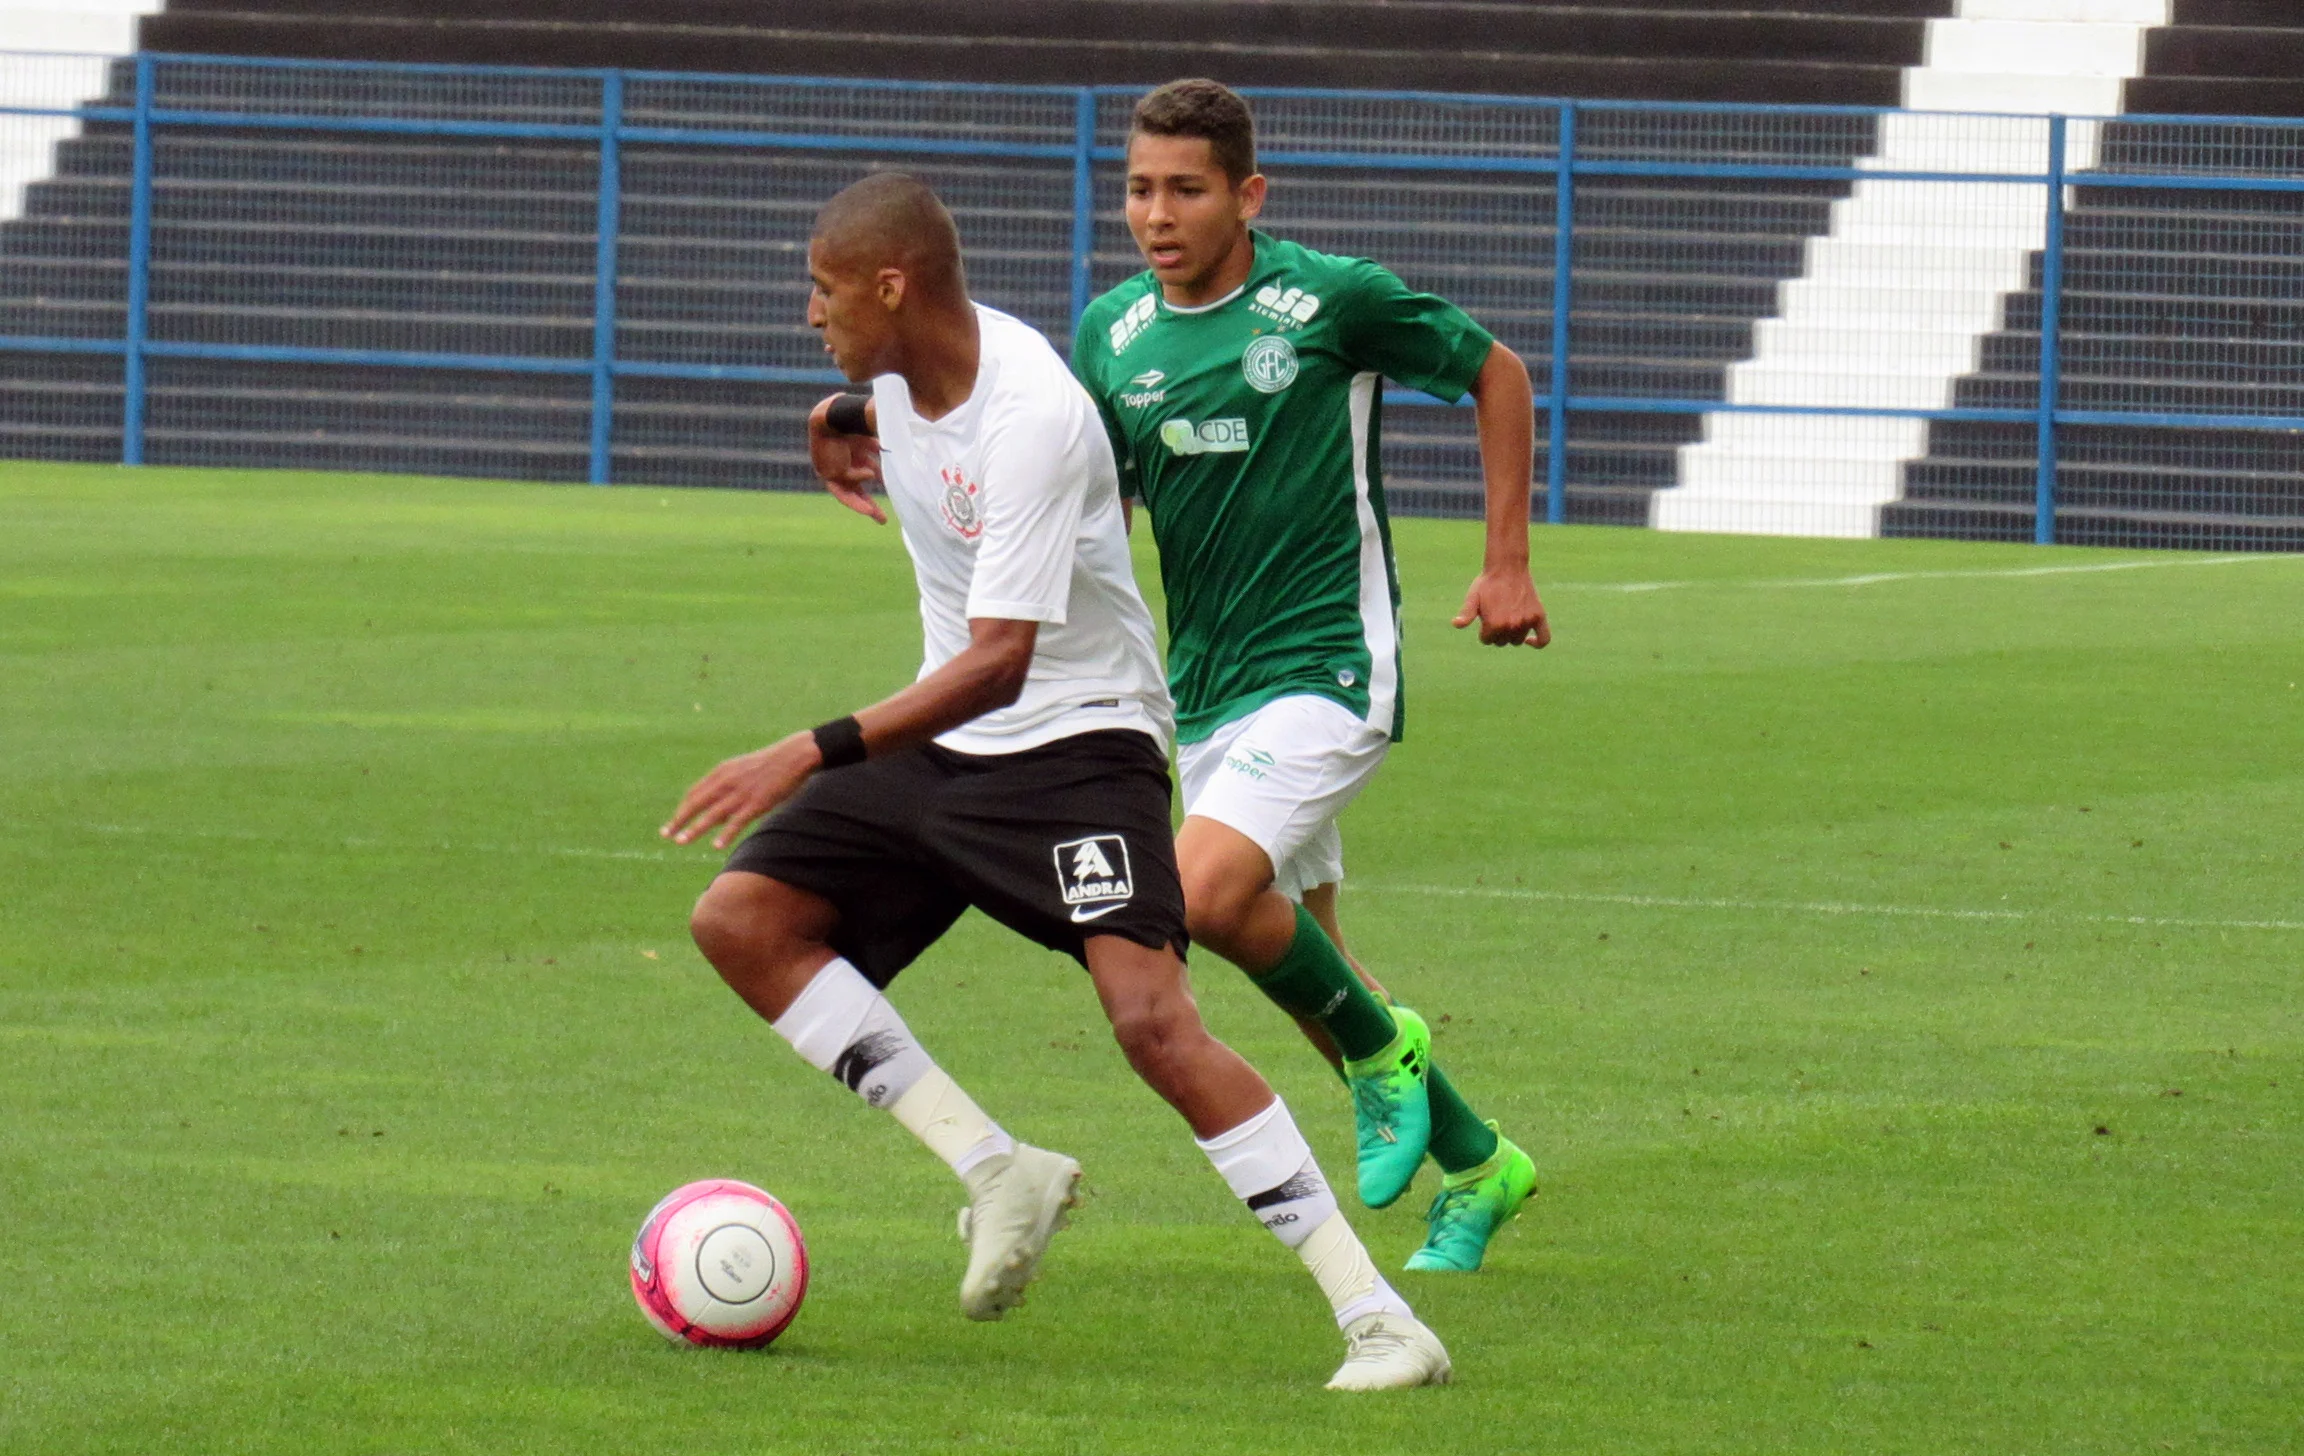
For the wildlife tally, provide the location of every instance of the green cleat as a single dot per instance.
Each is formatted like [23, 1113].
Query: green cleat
[1472, 1205]
[1392, 1116]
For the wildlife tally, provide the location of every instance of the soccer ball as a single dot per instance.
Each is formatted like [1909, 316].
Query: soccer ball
[720, 1263]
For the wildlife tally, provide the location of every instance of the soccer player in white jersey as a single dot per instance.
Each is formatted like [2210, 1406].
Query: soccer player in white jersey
[1024, 772]
[1241, 378]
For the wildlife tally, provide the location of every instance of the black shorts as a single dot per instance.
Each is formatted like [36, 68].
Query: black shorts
[1058, 843]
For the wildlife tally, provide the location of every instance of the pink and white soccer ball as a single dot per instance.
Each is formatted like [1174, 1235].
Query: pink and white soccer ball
[720, 1263]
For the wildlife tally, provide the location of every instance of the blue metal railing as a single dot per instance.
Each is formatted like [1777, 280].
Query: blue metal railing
[1562, 165]
[2051, 358]
[1557, 385]
[607, 227]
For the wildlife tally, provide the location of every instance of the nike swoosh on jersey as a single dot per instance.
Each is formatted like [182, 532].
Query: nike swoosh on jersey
[1082, 914]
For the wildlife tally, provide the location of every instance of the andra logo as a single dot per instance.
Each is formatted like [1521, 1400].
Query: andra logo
[1094, 876]
[960, 504]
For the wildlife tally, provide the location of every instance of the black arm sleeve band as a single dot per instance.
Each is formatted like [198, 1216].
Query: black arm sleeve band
[841, 741]
[846, 415]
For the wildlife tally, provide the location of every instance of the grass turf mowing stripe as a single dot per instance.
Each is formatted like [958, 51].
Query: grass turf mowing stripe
[1565, 897]
[1811, 907]
[343, 1058]
[2164, 562]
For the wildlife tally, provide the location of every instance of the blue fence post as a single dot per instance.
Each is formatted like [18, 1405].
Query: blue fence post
[608, 219]
[1563, 300]
[139, 273]
[1083, 198]
[2051, 341]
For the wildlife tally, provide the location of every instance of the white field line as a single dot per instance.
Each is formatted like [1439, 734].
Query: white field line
[1816, 907]
[696, 855]
[690, 854]
[1875, 578]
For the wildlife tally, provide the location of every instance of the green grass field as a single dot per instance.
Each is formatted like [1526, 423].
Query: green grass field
[1889, 952]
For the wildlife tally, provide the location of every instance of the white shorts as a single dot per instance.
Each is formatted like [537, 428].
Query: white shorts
[1281, 776]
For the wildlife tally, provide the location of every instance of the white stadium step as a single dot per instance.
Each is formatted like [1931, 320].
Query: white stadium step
[1893, 304]
[74, 43]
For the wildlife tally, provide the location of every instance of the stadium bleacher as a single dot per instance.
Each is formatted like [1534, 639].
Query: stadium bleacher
[1675, 274]
[2173, 301]
[2224, 58]
[484, 245]
[2187, 302]
[1848, 52]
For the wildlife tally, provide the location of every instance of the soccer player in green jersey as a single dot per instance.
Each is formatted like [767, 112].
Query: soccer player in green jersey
[1240, 377]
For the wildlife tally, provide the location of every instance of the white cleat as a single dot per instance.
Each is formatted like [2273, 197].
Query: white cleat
[1018, 1206]
[1391, 1352]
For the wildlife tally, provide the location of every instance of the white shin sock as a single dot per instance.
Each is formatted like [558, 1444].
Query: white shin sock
[842, 1025]
[950, 1123]
[1268, 1166]
[1340, 1264]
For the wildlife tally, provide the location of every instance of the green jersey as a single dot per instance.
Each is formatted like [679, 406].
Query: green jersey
[1249, 427]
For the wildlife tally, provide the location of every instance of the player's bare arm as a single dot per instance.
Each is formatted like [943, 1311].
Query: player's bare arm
[986, 676]
[847, 461]
[1503, 597]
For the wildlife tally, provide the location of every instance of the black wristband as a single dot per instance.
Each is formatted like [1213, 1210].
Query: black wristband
[845, 416]
[841, 741]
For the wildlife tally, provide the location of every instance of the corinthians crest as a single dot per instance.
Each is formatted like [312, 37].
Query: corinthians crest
[960, 504]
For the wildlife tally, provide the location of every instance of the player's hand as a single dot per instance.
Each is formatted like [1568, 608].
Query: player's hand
[742, 789]
[1505, 604]
[849, 465]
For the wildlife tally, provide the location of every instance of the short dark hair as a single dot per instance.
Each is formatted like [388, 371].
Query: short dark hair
[893, 217]
[1206, 109]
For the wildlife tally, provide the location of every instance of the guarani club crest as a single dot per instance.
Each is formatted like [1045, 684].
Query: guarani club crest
[1269, 364]
[960, 504]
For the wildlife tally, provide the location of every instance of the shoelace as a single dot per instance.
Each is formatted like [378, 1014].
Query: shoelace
[1382, 1340]
[1448, 1203]
[1375, 1099]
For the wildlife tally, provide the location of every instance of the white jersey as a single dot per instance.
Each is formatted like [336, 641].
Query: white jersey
[1010, 506]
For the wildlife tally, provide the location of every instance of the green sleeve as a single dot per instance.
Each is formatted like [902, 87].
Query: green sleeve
[1085, 338]
[1417, 339]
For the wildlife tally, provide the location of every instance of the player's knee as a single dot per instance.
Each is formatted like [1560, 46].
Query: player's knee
[718, 926]
[1215, 905]
[1155, 1033]
[736, 922]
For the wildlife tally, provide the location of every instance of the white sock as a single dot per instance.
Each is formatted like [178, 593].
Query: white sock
[842, 1025]
[951, 1124]
[1268, 1166]
[1340, 1263]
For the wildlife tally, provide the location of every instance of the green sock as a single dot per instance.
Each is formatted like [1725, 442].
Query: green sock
[1313, 980]
[1460, 1140]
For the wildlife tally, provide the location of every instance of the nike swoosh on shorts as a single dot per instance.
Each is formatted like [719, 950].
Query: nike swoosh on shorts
[1081, 914]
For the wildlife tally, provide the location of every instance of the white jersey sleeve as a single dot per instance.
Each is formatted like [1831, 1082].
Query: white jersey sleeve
[1034, 489]
[1010, 507]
